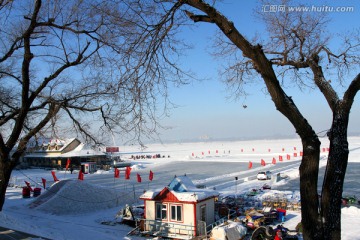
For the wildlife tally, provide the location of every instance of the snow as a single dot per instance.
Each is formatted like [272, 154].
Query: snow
[74, 209]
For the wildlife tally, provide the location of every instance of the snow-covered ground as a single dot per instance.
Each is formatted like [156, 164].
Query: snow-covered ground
[75, 209]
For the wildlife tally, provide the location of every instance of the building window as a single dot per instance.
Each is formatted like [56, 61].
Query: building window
[176, 213]
[203, 213]
[161, 211]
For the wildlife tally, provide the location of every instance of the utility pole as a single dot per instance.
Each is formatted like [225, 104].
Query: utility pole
[236, 178]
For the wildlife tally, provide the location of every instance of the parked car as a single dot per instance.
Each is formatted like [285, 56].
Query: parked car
[264, 175]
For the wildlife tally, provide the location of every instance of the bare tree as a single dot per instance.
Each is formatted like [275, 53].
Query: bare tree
[297, 50]
[79, 67]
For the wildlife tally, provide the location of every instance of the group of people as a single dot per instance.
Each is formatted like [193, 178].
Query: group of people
[147, 156]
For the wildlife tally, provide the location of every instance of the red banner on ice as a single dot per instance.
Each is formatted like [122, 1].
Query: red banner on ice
[54, 176]
[151, 175]
[116, 173]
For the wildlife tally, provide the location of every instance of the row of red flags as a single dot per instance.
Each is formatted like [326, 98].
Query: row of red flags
[242, 150]
[127, 174]
[116, 175]
[253, 149]
[263, 163]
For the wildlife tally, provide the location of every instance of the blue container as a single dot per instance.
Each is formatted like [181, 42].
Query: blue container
[281, 216]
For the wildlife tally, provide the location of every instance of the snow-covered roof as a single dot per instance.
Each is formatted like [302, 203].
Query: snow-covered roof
[79, 151]
[181, 184]
[183, 189]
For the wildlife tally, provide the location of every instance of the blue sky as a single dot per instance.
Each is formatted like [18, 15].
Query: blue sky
[205, 108]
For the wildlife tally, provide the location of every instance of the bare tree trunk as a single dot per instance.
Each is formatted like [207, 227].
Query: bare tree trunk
[6, 166]
[334, 175]
[309, 169]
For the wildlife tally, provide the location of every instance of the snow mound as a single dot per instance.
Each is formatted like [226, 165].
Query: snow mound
[13, 223]
[76, 197]
[137, 166]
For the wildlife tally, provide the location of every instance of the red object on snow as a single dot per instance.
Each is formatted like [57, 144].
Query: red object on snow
[28, 185]
[263, 162]
[67, 164]
[54, 176]
[81, 175]
[138, 177]
[116, 173]
[26, 192]
[151, 175]
[43, 182]
[127, 172]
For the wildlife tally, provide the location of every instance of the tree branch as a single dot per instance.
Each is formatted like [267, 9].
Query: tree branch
[25, 71]
[283, 103]
[199, 18]
[320, 81]
[53, 110]
[351, 92]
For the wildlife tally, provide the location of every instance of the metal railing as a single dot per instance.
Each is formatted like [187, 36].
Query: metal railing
[166, 229]
[219, 222]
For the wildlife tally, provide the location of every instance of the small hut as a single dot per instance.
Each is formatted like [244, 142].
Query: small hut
[180, 210]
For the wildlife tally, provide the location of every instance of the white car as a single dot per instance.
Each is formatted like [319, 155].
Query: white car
[264, 175]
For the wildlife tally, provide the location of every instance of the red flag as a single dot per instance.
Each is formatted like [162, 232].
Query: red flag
[250, 165]
[54, 176]
[280, 158]
[263, 162]
[81, 175]
[127, 172]
[43, 182]
[138, 177]
[288, 157]
[151, 175]
[28, 185]
[67, 164]
[274, 161]
[116, 173]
